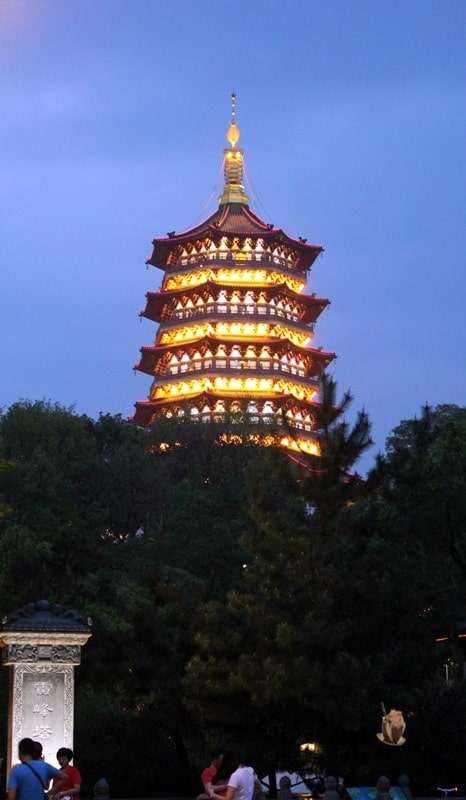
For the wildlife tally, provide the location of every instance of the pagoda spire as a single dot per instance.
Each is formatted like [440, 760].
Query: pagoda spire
[233, 190]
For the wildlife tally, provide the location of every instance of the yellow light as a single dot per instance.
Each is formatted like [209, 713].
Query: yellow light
[266, 384]
[217, 274]
[282, 332]
[312, 448]
[309, 746]
[186, 334]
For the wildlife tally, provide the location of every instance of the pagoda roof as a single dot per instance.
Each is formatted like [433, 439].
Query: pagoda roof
[150, 354]
[157, 300]
[232, 220]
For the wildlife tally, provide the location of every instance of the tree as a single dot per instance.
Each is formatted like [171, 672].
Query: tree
[78, 495]
[419, 504]
[50, 455]
[263, 658]
[347, 585]
[239, 592]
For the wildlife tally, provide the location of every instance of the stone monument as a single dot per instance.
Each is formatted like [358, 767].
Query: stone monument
[41, 644]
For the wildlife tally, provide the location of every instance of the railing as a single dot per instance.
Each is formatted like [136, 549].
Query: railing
[258, 365]
[237, 309]
[231, 256]
[266, 417]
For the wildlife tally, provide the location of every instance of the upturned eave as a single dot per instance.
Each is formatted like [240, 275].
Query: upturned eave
[157, 301]
[237, 221]
[152, 354]
[147, 409]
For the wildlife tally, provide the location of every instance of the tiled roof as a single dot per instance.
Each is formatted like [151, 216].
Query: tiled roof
[45, 616]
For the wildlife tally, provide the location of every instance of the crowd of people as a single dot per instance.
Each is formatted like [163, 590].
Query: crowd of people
[34, 779]
[229, 778]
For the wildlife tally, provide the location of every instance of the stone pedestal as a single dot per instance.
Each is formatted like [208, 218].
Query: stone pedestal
[41, 644]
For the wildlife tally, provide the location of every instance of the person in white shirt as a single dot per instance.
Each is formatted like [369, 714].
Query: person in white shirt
[243, 782]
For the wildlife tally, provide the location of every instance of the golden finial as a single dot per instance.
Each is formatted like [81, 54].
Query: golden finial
[233, 190]
[233, 132]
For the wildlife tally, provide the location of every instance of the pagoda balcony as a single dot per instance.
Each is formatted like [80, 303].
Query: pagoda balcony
[258, 364]
[228, 312]
[235, 257]
[274, 420]
[231, 259]
[303, 307]
[247, 367]
[255, 417]
[237, 309]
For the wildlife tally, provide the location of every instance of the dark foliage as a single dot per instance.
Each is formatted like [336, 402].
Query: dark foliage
[240, 594]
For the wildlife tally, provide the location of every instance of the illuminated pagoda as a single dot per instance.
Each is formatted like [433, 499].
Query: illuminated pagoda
[235, 326]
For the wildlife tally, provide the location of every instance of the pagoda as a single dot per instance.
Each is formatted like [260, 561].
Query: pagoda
[235, 325]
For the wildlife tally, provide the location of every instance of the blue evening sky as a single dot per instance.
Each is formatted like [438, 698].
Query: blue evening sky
[113, 116]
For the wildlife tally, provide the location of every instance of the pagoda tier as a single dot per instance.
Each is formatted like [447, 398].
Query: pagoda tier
[236, 325]
[211, 299]
[212, 353]
[285, 420]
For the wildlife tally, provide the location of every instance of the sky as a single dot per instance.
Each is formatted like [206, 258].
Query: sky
[113, 115]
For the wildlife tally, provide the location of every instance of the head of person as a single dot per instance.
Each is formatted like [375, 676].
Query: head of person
[37, 754]
[216, 758]
[64, 756]
[231, 760]
[26, 748]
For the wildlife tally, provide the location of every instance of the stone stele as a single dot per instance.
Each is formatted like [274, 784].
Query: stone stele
[41, 644]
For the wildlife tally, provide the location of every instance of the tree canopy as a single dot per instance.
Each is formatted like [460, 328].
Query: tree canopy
[242, 594]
